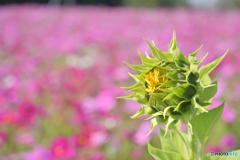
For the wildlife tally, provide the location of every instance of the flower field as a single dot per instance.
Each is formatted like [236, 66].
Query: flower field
[62, 68]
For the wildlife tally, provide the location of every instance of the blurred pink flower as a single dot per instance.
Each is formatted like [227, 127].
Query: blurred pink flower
[140, 136]
[7, 118]
[3, 138]
[97, 156]
[184, 127]
[227, 70]
[229, 141]
[229, 114]
[62, 149]
[106, 100]
[238, 89]
[98, 138]
[25, 139]
[38, 153]
[83, 139]
[136, 154]
[212, 148]
[221, 89]
[132, 107]
[27, 114]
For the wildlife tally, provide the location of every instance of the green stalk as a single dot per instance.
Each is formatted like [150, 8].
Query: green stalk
[160, 138]
[201, 152]
[191, 145]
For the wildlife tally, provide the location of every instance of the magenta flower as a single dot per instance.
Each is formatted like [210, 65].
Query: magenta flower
[229, 141]
[229, 114]
[83, 139]
[38, 153]
[62, 149]
[3, 138]
[212, 148]
[25, 139]
[7, 118]
[27, 114]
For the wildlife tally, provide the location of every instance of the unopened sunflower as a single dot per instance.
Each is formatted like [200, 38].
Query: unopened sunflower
[171, 87]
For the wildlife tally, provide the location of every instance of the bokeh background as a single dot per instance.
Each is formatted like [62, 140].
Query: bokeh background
[61, 68]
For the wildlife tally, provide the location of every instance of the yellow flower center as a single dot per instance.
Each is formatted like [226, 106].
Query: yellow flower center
[154, 79]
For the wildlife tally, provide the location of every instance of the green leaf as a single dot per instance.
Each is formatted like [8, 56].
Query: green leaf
[174, 143]
[174, 98]
[154, 53]
[186, 115]
[169, 67]
[193, 56]
[137, 68]
[155, 121]
[169, 124]
[140, 98]
[207, 92]
[171, 83]
[159, 113]
[196, 103]
[167, 57]
[173, 48]
[191, 78]
[203, 124]
[176, 75]
[138, 88]
[184, 91]
[159, 154]
[181, 65]
[144, 110]
[183, 106]
[167, 110]
[205, 70]
[138, 78]
[194, 67]
[148, 62]
[156, 101]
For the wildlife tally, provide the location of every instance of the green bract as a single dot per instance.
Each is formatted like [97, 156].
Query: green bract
[171, 87]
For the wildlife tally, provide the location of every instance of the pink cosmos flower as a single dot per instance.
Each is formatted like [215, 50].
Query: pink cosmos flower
[25, 139]
[7, 118]
[3, 138]
[229, 141]
[140, 137]
[38, 153]
[62, 149]
[212, 148]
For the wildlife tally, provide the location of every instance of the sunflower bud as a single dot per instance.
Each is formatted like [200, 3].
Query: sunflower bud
[171, 87]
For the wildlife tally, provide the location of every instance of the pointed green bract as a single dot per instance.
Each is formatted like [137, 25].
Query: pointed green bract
[155, 121]
[171, 87]
[193, 56]
[145, 110]
[205, 70]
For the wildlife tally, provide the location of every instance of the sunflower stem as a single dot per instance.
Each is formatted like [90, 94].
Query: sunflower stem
[191, 145]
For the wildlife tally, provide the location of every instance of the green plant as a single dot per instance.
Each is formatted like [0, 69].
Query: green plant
[171, 88]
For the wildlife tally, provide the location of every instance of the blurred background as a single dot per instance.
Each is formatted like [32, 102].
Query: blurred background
[62, 67]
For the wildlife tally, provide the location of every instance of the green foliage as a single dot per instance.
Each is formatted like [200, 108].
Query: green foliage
[203, 124]
[170, 86]
[205, 70]
[159, 154]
